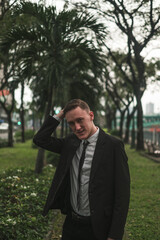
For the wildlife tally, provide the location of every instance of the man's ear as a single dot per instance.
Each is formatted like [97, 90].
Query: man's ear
[91, 115]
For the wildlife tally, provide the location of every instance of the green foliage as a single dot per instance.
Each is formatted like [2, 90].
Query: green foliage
[55, 50]
[52, 158]
[28, 135]
[3, 143]
[105, 130]
[22, 197]
[114, 132]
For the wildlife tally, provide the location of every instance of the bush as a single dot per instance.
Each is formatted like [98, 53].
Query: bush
[105, 130]
[114, 132]
[52, 158]
[3, 143]
[28, 135]
[22, 197]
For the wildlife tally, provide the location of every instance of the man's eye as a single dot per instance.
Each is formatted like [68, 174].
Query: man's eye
[80, 120]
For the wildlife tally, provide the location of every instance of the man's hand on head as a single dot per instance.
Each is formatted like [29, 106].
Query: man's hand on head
[60, 114]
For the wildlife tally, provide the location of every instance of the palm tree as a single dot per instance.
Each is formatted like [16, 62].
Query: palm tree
[50, 42]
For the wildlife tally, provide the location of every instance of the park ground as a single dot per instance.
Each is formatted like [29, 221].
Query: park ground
[23, 194]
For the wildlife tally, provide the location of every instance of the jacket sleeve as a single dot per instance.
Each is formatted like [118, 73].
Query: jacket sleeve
[121, 192]
[44, 139]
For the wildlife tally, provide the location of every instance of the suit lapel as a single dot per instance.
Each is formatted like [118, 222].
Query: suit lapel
[100, 148]
[74, 145]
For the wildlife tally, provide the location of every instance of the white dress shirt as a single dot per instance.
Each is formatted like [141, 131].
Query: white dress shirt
[85, 176]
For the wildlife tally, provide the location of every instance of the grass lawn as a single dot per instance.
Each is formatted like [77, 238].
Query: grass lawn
[143, 222]
[21, 155]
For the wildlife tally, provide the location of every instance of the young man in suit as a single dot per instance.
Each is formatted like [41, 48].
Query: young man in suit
[92, 182]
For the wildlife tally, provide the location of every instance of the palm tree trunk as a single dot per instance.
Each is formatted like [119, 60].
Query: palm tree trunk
[41, 151]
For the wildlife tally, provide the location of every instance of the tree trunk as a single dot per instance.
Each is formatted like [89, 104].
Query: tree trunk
[129, 118]
[10, 130]
[41, 152]
[108, 122]
[121, 124]
[133, 134]
[22, 114]
[126, 138]
[22, 126]
[114, 122]
[40, 160]
[140, 139]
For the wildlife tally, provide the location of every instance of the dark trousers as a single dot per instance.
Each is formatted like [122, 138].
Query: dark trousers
[75, 230]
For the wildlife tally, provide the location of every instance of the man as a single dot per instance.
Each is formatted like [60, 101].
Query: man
[92, 183]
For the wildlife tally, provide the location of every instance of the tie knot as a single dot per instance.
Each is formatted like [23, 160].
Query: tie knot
[85, 143]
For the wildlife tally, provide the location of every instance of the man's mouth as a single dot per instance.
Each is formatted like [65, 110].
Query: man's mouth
[80, 132]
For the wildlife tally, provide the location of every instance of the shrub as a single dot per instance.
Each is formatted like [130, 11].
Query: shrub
[3, 143]
[28, 135]
[114, 132]
[105, 130]
[52, 158]
[22, 197]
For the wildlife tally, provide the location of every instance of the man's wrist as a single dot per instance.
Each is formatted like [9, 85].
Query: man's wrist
[59, 116]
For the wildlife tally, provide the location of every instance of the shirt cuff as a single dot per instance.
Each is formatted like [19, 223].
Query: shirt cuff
[57, 118]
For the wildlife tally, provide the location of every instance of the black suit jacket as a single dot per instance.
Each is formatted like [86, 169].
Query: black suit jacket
[109, 186]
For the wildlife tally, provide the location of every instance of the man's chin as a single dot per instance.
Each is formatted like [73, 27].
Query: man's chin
[81, 136]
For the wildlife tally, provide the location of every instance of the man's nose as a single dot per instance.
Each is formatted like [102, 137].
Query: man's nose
[77, 126]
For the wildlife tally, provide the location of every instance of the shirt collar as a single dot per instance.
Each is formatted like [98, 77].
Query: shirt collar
[93, 138]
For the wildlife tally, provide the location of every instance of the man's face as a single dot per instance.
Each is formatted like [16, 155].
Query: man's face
[81, 122]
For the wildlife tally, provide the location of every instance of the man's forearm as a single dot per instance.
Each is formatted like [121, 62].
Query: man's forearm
[43, 137]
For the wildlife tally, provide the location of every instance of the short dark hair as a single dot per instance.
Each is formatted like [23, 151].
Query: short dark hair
[74, 103]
